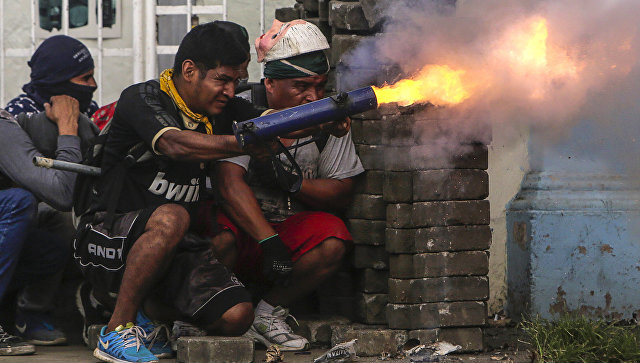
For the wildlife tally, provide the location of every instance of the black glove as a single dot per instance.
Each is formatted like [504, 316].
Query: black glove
[277, 261]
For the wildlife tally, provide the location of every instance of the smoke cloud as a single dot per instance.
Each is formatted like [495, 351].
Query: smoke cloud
[585, 90]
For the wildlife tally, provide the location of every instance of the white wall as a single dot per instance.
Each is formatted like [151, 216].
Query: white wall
[508, 162]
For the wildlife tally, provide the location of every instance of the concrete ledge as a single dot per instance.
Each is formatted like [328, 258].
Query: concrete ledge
[215, 349]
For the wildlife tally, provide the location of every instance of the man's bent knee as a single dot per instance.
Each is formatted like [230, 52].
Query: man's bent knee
[237, 320]
[171, 220]
[224, 243]
[333, 250]
[19, 202]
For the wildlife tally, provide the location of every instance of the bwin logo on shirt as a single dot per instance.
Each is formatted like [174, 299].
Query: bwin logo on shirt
[173, 191]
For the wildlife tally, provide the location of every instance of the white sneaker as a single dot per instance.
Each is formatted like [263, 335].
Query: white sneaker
[271, 329]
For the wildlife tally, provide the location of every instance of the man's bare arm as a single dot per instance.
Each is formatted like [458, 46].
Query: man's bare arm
[191, 145]
[326, 193]
[240, 203]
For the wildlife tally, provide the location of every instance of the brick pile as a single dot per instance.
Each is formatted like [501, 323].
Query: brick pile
[420, 221]
[366, 218]
[437, 232]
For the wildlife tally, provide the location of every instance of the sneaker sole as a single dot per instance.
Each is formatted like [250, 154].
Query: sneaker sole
[106, 357]
[59, 341]
[24, 350]
[257, 337]
[164, 355]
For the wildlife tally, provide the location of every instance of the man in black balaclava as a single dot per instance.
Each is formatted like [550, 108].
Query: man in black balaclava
[60, 66]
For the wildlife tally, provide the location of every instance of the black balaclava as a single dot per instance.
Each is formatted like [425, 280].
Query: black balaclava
[57, 60]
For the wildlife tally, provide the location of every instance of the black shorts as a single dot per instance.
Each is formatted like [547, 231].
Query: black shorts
[196, 284]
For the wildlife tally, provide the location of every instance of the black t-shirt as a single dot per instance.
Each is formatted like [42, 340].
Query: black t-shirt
[143, 113]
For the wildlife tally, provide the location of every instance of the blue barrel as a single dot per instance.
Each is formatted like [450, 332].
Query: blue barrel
[301, 117]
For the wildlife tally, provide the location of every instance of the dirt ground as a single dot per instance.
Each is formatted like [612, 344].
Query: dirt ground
[502, 344]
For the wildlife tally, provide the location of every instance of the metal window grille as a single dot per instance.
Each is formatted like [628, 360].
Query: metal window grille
[144, 49]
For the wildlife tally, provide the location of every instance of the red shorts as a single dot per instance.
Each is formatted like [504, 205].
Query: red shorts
[300, 233]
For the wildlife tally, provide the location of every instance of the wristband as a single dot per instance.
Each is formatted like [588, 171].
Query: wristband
[268, 238]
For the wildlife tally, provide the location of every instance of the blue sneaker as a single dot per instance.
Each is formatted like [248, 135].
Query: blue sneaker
[37, 329]
[123, 345]
[157, 336]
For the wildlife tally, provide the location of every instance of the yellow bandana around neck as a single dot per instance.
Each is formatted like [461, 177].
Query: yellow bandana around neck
[166, 84]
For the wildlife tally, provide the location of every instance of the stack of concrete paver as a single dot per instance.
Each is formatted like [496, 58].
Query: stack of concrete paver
[437, 230]
[419, 218]
[367, 215]
[367, 223]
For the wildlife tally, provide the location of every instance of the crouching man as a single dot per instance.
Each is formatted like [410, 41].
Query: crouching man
[35, 226]
[261, 223]
[135, 242]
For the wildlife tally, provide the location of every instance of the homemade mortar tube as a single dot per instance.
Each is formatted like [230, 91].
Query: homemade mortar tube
[301, 117]
[65, 165]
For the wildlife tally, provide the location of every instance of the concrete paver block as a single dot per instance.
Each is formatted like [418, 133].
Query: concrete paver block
[458, 288]
[470, 339]
[398, 187]
[370, 182]
[318, 331]
[375, 11]
[368, 132]
[371, 308]
[422, 157]
[372, 340]
[438, 239]
[310, 5]
[375, 257]
[372, 281]
[464, 263]
[400, 130]
[347, 15]
[371, 156]
[437, 315]
[450, 184]
[323, 10]
[287, 14]
[341, 45]
[424, 336]
[367, 232]
[211, 349]
[367, 206]
[438, 213]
